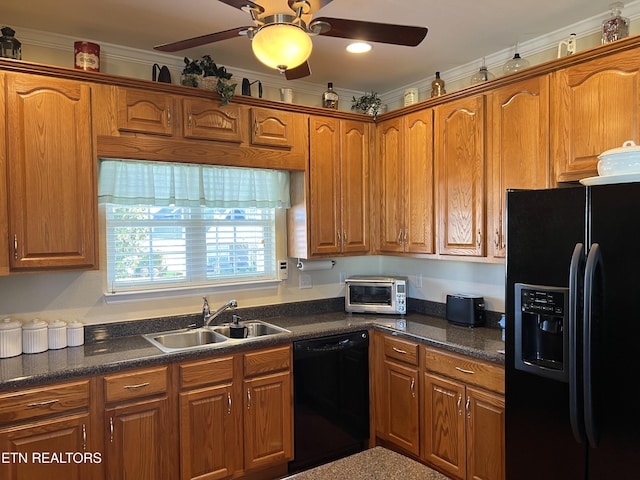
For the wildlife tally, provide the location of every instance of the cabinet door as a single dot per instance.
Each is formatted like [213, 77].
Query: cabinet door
[146, 112]
[207, 433]
[51, 176]
[268, 420]
[459, 162]
[485, 435]
[518, 149]
[39, 449]
[271, 128]
[596, 107]
[444, 425]
[324, 176]
[398, 414]
[354, 173]
[4, 220]
[138, 441]
[207, 120]
[418, 174]
[390, 173]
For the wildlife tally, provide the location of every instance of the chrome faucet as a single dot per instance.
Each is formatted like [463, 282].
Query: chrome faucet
[210, 317]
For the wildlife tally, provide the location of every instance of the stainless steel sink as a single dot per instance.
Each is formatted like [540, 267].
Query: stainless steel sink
[184, 339]
[177, 340]
[255, 328]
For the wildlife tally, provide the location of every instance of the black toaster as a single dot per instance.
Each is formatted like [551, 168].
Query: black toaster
[465, 310]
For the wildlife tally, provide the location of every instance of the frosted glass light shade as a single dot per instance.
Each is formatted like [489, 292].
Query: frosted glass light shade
[281, 46]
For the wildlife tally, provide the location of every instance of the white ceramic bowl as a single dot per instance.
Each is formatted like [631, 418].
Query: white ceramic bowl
[620, 161]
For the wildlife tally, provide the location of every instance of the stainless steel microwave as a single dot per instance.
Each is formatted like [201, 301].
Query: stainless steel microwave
[370, 294]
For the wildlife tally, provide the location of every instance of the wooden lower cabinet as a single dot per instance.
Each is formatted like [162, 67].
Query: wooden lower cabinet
[463, 421]
[138, 444]
[41, 450]
[397, 379]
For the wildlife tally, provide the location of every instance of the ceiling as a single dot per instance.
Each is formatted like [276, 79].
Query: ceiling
[460, 31]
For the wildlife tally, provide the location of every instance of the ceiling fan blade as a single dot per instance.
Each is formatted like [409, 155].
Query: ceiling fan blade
[201, 40]
[373, 32]
[239, 4]
[300, 71]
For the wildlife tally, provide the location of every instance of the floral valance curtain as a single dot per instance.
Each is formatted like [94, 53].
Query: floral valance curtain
[132, 182]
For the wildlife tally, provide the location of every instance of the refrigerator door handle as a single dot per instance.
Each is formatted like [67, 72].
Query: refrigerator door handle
[577, 420]
[594, 260]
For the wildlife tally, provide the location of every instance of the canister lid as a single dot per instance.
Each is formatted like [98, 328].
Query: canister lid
[74, 324]
[33, 324]
[55, 324]
[9, 324]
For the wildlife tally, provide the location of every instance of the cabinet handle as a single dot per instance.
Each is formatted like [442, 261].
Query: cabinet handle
[497, 240]
[84, 437]
[468, 372]
[344, 238]
[15, 247]
[466, 407]
[399, 239]
[189, 118]
[42, 404]
[248, 398]
[479, 238]
[228, 403]
[413, 389]
[459, 404]
[168, 117]
[133, 387]
[110, 429]
[339, 238]
[398, 350]
[404, 238]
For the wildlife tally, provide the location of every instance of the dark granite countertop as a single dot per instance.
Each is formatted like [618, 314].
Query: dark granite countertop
[114, 354]
[377, 463]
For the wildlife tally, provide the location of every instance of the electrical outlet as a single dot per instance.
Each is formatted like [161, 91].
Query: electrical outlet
[419, 280]
[305, 281]
[343, 277]
[283, 269]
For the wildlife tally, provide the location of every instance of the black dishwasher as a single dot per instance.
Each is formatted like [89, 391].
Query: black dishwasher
[331, 398]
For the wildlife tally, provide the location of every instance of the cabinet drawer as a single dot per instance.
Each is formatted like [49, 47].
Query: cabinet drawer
[264, 361]
[467, 369]
[402, 350]
[207, 372]
[140, 383]
[44, 401]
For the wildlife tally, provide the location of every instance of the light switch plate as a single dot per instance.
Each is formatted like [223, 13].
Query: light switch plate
[305, 281]
[283, 270]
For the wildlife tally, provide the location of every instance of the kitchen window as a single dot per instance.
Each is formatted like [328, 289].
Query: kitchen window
[174, 226]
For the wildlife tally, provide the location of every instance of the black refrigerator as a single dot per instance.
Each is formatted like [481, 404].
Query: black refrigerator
[572, 346]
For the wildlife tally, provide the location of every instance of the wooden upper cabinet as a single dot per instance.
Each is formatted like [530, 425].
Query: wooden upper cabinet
[339, 186]
[459, 172]
[207, 120]
[391, 184]
[4, 220]
[145, 111]
[517, 149]
[596, 107]
[324, 176]
[418, 173]
[51, 173]
[271, 128]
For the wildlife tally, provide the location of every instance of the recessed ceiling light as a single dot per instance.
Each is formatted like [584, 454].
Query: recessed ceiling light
[358, 47]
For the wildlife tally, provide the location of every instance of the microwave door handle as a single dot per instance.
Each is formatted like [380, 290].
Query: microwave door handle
[575, 417]
[593, 265]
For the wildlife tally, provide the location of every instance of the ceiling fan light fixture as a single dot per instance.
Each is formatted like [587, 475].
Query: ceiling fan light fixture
[358, 47]
[281, 46]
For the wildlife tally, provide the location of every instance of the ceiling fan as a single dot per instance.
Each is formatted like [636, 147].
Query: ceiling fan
[282, 40]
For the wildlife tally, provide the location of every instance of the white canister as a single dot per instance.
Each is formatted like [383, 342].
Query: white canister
[57, 334]
[10, 338]
[34, 336]
[75, 333]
